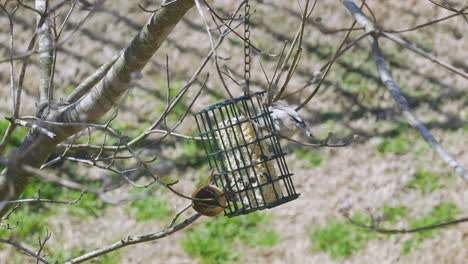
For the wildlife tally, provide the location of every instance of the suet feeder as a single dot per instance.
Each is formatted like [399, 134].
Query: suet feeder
[242, 147]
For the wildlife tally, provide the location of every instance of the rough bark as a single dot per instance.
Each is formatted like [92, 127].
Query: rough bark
[37, 147]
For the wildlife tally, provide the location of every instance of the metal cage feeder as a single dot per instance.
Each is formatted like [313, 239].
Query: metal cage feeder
[241, 145]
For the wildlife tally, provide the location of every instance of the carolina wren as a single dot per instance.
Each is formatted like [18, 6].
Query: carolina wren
[215, 199]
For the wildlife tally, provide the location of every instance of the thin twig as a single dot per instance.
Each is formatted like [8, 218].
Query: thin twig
[32, 200]
[14, 91]
[334, 58]
[24, 249]
[387, 79]
[55, 45]
[20, 122]
[42, 242]
[157, 9]
[404, 231]
[134, 240]
[461, 12]
[174, 102]
[424, 54]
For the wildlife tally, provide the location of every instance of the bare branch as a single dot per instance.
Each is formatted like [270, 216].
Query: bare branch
[42, 242]
[174, 102]
[134, 240]
[48, 177]
[424, 54]
[24, 249]
[335, 56]
[91, 81]
[38, 199]
[7, 217]
[461, 12]
[53, 45]
[299, 37]
[176, 216]
[164, 4]
[317, 75]
[19, 122]
[160, 131]
[232, 30]
[387, 79]
[14, 92]
[412, 120]
[374, 227]
[45, 43]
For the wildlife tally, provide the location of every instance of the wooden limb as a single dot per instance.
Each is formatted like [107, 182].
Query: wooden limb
[134, 240]
[424, 54]
[91, 81]
[45, 43]
[24, 249]
[387, 79]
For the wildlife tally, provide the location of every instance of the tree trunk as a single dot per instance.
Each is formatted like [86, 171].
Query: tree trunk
[37, 147]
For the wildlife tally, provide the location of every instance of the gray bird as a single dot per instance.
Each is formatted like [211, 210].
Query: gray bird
[286, 120]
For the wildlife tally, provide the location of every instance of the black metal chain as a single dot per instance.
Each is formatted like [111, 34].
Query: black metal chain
[247, 58]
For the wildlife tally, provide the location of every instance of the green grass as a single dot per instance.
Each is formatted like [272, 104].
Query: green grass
[192, 154]
[394, 213]
[424, 181]
[150, 208]
[32, 217]
[235, 41]
[312, 156]
[465, 127]
[353, 82]
[221, 239]
[16, 138]
[441, 213]
[399, 144]
[341, 239]
[18, 135]
[30, 224]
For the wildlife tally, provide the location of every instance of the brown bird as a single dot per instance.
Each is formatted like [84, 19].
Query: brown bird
[215, 199]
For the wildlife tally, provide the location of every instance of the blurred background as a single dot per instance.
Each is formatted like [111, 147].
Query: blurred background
[389, 170]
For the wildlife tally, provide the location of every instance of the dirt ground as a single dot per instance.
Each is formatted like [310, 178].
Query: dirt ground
[357, 174]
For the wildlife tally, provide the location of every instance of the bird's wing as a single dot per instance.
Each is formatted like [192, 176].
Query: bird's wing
[294, 115]
[289, 110]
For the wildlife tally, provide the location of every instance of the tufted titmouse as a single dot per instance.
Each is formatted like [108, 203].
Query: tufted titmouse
[286, 120]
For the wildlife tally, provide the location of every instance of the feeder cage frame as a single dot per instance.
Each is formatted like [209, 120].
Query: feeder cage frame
[242, 147]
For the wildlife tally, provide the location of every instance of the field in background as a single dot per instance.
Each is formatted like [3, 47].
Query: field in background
[390, 169]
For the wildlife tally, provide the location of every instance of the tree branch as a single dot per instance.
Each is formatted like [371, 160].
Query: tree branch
[387, 79]
[14, 91]
[134, 240]
[45, 57]
[91, 81]
[36, 148]
[424, 54]
[404, 231]
[38, 199]
[24, 249]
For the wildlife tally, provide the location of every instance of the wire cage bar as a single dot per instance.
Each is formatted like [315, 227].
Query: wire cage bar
[240, 144]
